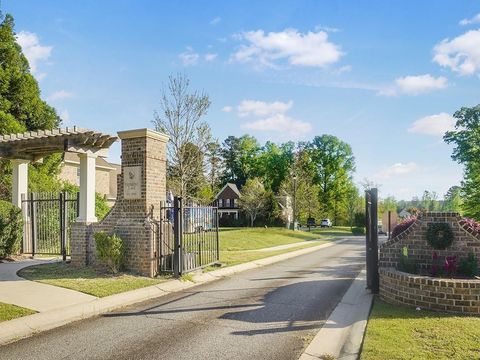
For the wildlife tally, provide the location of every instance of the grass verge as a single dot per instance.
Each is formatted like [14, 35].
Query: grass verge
[237, 239]
[333, 231]
[398, 333]
[9, 312]
[87, 280]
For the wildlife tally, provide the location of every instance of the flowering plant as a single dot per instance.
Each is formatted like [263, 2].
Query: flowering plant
[404, 225]
[450, 265]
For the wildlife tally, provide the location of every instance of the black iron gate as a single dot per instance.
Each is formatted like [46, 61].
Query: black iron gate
[187, 237]
[371, 227]
[47, 223]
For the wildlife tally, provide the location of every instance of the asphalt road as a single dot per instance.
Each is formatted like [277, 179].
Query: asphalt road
[266, 313]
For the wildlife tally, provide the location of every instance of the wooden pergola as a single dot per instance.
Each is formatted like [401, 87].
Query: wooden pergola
[32, 146]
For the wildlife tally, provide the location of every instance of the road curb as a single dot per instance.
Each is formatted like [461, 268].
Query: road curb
[23, 327]
[342, 334]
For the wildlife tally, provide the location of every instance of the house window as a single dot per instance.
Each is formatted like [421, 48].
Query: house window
[227, 202]
[78, 175]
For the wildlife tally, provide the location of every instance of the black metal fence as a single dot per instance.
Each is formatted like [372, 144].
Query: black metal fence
[47, 223]
[187, 237]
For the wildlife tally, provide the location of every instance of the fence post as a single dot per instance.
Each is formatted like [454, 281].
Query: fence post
[33, 216]
[371, 202]
[63, 225]
[216, 234]
[177, 234]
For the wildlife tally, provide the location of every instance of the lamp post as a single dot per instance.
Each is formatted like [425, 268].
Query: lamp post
[294, 202]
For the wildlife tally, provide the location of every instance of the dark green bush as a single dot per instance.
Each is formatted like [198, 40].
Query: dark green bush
[11, 228]
[469, 266]
[110, 250]
[406, 264]
[358, 231]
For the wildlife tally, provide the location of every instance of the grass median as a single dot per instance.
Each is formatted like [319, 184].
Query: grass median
[398, 333]
[9, 312]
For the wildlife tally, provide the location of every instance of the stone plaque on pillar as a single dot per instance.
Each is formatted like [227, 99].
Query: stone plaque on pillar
[132, 183]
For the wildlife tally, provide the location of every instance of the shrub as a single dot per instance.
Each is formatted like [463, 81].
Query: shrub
[469, 266]
[359, 219]
[404, 225]
[110, 250]
[406, 264]
[358, 231]
[11, 228]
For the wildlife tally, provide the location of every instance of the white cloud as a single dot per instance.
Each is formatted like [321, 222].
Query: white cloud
[327, 28]
[215, 20]
[60, 95]
[65, 116]
[33, 50]
[397, 169]
[227, 109]
[473, 20]
[461, 54]
[435, 125]
[210, 56]
[262, 108]
[299, 49]
[189, 57]
[414, 85]
[271, 117]
[280, 123]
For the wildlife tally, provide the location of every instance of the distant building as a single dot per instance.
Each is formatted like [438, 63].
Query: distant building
[227, 201]
[105, 175]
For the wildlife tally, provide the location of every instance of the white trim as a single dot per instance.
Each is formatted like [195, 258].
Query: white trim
[130, 134]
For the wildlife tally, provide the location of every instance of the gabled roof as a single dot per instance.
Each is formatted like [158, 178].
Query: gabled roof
[229, 187]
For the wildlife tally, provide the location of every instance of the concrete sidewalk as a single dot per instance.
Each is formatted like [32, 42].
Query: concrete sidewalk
[342, 334]
[34, 295]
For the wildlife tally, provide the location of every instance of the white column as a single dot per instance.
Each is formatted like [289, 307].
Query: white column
[19, 181]
[87, 188]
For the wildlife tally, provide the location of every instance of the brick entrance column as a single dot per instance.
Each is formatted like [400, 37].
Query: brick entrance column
[141, 187]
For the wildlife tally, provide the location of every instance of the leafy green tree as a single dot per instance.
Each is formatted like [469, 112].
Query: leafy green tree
[334, 164]
[275, 164]
[21, 107]
[465, 138]
[453, 200]
[240, 158]
[430, 201]
[254, 199]
[213, 156]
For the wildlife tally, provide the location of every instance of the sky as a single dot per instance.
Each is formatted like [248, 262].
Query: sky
[383, 76]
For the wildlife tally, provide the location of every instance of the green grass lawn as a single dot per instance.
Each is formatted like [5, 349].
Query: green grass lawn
[9, 312]
[236, 244]
[333, 231]
[397, 333]
[235, 239]
[87, 280]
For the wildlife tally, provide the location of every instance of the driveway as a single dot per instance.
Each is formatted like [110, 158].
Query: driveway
[266, 313]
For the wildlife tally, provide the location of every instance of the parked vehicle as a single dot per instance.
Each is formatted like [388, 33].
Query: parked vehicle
[326, 223]
[311, 222]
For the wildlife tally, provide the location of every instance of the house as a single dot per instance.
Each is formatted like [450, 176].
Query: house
[105, 175]
[227, 201]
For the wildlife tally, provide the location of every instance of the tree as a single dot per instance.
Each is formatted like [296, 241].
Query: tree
[430, 201]
[21, 107]
[254, 199]
[275, 164]
[240, 157]
[333, 162]
[466, 137]
[181, 118]
[354, 204]
[214, 163]
[453, 200]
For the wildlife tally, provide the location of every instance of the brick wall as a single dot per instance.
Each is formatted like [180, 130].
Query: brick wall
[132, 220]
[455, 295]
[415, 239]
[451, 295]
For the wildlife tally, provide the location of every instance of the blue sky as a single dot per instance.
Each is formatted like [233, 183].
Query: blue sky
[384, 76]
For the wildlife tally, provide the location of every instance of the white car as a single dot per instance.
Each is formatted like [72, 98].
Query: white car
[326, 223]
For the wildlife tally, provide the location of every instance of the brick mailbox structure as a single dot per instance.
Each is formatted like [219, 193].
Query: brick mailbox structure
[141, 188]
[454, 295]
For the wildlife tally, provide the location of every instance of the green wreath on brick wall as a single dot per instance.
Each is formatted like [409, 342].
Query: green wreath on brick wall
[439, 235]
